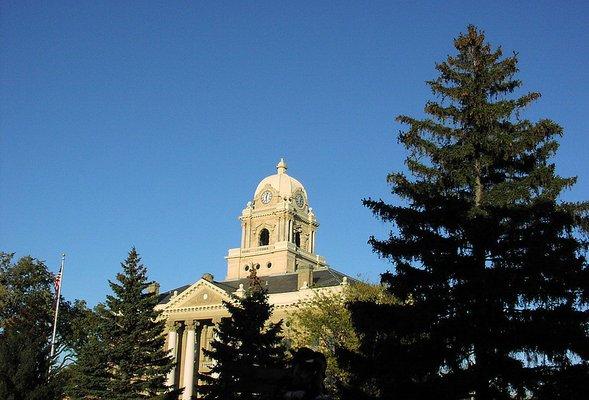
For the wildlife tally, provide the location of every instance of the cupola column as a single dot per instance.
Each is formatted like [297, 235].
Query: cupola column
[248, 234]
[242, 234]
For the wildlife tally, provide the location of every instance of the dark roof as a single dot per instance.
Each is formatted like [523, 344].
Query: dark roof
[166, 296]
[274, 283]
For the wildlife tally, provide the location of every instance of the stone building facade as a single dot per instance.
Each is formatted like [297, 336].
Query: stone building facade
[278, 231]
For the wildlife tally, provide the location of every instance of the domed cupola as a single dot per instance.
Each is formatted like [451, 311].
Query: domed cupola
[279, 188]
[277, 229]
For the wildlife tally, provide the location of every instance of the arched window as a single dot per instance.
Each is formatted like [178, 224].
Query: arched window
[264, 237]
[297, 239]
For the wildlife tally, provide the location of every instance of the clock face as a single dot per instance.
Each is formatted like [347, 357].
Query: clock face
[266, 197]
[300, 200]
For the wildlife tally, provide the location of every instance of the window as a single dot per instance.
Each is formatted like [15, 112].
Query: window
[264, 237]
[297, 239]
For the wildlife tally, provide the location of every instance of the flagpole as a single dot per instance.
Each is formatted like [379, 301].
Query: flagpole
[57, 306]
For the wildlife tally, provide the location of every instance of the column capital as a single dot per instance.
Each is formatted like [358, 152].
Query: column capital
[173, 326]
[192, 324]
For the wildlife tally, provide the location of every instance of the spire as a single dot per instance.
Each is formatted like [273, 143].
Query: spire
[281, 167]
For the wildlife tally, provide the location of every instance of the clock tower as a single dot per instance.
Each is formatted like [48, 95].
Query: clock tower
[277, 230]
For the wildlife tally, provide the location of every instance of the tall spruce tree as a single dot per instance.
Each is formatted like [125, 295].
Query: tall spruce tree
[244, 342]
[490, 264]
[124, 358]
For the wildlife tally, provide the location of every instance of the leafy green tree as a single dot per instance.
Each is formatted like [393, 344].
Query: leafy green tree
[26, 322]
[244, 342]
[490, 264]
[124, 357]
[324, 323]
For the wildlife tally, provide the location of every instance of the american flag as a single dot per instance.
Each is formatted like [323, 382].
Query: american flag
[57, 281]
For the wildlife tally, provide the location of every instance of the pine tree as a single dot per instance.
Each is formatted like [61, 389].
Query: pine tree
[91, 372]
[490, 264]
[125, 359]
[243, 342]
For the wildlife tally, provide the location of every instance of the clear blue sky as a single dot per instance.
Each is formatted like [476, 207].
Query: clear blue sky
[150, 123]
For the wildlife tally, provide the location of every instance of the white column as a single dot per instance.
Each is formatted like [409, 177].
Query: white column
[245, 228]
[204, 344]
[189, 361]
[242, 235]
[172, 344]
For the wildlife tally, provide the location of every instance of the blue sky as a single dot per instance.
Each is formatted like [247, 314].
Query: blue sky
[150, 123]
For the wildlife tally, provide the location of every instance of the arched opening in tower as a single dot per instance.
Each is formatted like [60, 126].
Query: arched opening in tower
[264, 237]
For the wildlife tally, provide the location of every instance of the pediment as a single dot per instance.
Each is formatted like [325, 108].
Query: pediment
[201, 293]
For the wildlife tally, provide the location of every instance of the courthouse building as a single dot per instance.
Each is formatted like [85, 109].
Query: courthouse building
[278, 232]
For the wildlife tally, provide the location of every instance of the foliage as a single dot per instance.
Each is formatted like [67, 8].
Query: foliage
[91, 373]
[324, 323]
[243, 342]
[489, 263]
[124, 357]
[26, 322]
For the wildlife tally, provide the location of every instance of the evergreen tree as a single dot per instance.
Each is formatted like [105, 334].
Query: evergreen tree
[124, 358]
[489, 262]
[243, 342]
[91, 372]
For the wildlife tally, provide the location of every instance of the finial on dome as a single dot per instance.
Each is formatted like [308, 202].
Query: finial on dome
[281, 167]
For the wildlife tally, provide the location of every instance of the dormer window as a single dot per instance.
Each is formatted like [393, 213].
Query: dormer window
[264, 237]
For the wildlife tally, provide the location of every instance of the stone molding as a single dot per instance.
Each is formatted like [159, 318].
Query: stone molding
[191, 290]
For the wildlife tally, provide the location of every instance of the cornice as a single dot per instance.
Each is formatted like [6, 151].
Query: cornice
[191, 290]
